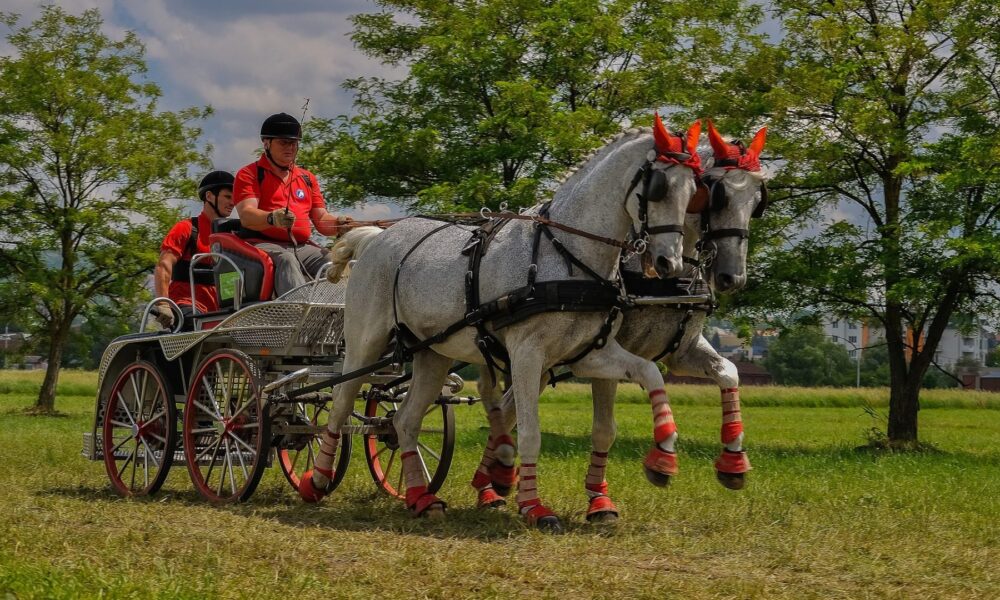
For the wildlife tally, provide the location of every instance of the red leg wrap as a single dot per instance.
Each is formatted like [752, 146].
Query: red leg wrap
[502, 475]
[308, 491]
[489, 499]
[600, 488]
[418, 500]
[661, 462]
[732, 462]
[481, 480]
[731, 431]
[601, 505]
[662, 432]
[536, 513]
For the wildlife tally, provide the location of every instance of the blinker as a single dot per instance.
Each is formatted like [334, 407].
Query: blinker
[656, 186]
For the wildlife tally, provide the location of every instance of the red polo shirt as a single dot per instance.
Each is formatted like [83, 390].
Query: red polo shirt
[299, 192]
[176, 243]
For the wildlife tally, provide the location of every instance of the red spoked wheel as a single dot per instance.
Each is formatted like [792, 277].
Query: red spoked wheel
[226, 438]
[435, 446]
[139, 430]
[300, 456]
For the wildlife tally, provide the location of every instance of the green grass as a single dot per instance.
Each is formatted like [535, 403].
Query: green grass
[819, 518]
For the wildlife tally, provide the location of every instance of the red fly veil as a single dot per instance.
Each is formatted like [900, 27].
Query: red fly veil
[735, 155]
[671, 148]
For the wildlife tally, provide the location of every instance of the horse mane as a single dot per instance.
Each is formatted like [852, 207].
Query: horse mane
[576, 173]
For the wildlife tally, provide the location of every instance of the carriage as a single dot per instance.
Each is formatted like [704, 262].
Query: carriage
[210, 394]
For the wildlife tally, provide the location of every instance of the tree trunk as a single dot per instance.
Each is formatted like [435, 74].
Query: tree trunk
[904, 403]
[47, 395]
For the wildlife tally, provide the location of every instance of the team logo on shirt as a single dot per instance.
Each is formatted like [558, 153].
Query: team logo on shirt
[300, 194]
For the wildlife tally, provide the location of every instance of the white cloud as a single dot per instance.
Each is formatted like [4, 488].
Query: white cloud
[247, 66]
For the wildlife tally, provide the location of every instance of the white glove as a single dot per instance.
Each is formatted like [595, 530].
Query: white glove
[164, 315]
[281, 218]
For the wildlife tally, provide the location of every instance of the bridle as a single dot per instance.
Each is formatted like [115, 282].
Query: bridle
[654, 189]
[719, 200]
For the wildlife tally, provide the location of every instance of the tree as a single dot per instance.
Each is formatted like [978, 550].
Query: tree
[88, 162]
[802, 355]
[891, 111]
[993, 358]
[500, 96]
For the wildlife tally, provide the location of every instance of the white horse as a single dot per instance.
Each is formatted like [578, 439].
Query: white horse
[412, 278]
[735, 193]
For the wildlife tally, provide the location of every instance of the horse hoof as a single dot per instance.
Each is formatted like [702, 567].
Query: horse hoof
[732, 481]
[657, 479]
[309, 492]
[489, 499]
[434, 512]
[549, 524]
[603, 518]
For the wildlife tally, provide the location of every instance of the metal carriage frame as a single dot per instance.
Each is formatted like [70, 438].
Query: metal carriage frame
[211, 399]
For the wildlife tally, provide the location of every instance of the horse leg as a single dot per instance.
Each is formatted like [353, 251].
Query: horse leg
[312, 487]
[602, 509]
[429, 372]
[503, 471]
[614, 362]
[526, 372]
[701, 360]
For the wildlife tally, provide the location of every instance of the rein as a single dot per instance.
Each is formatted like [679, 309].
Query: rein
[628, 245]
[635, 245]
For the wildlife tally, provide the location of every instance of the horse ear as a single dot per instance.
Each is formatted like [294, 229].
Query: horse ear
[661, 137]
[719, 146]
[699, 202]
[693, 133]
[758, 142]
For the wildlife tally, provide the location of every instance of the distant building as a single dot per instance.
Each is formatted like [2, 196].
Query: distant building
[955, 344]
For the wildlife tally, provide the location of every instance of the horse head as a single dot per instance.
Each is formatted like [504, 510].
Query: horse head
[668, 182]
[734, 192]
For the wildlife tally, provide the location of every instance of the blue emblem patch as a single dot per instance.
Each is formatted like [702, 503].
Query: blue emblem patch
[300, 194]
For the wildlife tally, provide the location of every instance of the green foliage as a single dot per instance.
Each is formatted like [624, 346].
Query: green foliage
[500, 96]
[993, 358]
[891, 112]
[88, 164]
[804, 356]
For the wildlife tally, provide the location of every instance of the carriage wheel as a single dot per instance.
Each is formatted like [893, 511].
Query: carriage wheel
[294, 462]
[139, 431]
[226, 438]
[435, 446]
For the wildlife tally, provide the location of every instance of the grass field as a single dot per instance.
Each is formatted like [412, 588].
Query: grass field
[819, 518]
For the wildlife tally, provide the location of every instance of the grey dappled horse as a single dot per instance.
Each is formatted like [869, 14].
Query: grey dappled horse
[735, 193]
[427, 295]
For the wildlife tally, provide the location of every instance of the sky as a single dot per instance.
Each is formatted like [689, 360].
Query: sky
[245, 59]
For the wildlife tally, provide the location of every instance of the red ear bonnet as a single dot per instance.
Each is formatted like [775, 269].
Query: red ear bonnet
[675, 149]
[736, 155]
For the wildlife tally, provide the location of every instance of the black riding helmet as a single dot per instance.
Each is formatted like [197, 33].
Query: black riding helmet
[281, 125]
[215, 181]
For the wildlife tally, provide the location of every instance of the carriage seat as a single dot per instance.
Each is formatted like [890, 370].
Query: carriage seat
[230, 239]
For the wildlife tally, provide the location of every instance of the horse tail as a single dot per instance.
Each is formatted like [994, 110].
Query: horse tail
[349, 247]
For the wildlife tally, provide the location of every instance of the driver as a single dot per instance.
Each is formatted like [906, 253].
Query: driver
[277, 199]
[185, 239]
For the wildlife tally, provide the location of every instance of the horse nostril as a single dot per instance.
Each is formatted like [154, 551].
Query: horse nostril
[667, 267]
[724, 281]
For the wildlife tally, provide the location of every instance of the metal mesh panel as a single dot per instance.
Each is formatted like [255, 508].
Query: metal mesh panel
[109, 354]
[175, 345]
[318, 292]
[322, 325]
